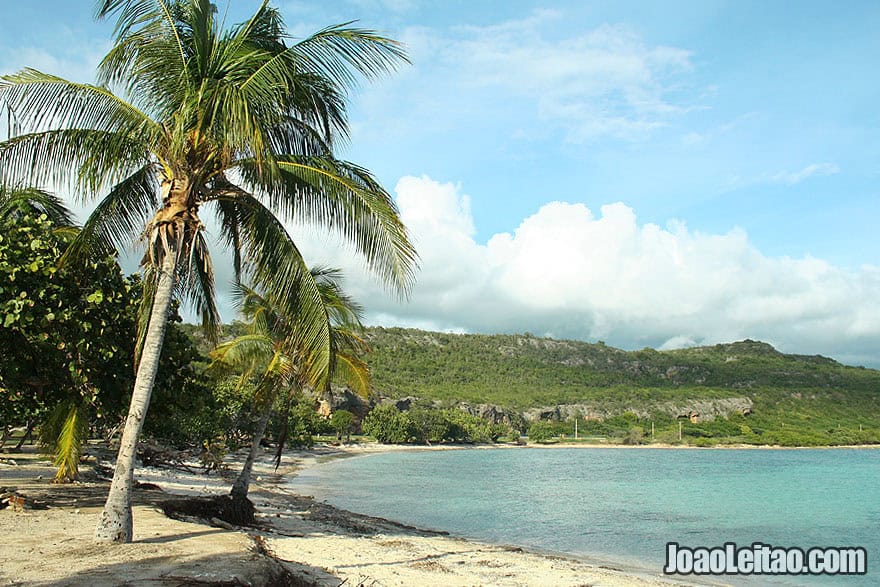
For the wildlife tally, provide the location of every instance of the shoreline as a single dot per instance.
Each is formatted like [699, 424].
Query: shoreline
[633, 567]
[614, 569]
[316, 543]
[360, 450]
[296, 535]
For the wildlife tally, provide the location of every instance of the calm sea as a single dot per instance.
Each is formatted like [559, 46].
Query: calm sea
[623, 506]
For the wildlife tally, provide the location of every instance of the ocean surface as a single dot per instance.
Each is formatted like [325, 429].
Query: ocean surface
[620, 506]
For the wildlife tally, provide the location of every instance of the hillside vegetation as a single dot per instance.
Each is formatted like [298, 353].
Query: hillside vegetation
[743, 391]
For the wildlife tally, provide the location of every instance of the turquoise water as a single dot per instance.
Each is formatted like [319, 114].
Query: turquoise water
[623, 506]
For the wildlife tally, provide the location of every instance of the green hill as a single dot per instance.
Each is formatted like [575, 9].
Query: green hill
[786, 399]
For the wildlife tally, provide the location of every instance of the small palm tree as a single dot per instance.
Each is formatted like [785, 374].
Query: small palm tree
[270, 354]
[189, 117]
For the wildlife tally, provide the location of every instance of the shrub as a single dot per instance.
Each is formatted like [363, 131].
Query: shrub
[541, 431]
[430, 425]
[341, 421]
[304, 424]
[635, 435]
[389, 425]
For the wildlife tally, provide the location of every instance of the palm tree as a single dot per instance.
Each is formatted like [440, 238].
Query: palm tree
[188, 116]
[269, 353]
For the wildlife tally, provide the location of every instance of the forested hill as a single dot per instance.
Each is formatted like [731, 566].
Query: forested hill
[522, 371]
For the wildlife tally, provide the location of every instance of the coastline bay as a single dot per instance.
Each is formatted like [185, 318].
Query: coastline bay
[620, 507]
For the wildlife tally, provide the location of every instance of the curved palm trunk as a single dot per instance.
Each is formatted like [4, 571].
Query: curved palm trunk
[115, 524]
[243, 482]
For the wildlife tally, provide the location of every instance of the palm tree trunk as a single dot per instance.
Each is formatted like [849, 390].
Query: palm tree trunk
[27, 434]
[115, 524]
[242, 483]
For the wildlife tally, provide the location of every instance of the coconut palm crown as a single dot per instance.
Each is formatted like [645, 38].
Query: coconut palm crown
[192, 117]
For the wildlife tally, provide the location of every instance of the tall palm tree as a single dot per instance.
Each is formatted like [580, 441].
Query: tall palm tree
[190, 115]
[270, 354]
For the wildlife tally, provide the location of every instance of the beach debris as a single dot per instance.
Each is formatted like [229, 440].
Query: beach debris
[221, 524]
[18, 502]
[153, 454]
[237, 512]
[147, 486]
[260, 546]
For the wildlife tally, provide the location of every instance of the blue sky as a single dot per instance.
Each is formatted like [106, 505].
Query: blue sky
[649, 173]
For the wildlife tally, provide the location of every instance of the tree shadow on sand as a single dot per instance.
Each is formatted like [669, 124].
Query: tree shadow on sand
[215, 570]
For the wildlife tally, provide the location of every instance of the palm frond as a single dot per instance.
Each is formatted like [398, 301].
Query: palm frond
[355, 372]
[346, 198]
[83, 159]
[275, 265]
[148, 44]
[337, 52]
[42, 101]
[119, 218]
[197, 284]
[245, 351]
[64, 433]
[15, 201]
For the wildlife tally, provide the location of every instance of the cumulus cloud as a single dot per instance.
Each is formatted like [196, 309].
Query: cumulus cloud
[567, 271]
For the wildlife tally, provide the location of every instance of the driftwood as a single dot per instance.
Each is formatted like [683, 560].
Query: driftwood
[155, 455]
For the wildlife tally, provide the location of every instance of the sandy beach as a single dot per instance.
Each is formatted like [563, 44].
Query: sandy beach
[298, 541]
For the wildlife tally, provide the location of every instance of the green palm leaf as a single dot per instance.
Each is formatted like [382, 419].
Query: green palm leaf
[15, 201]
[63, 434]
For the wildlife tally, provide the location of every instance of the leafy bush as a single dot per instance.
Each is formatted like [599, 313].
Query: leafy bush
[635, 435]
[541, 431]
[303, 424]
[389, 425]
[430, 425]
[341, 421]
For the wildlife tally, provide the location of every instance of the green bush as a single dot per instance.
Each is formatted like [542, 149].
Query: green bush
[304, 424]
[341, 421]
[430, 425]
[389, 425]
[635, 435]
[541, 431]
[469, 428]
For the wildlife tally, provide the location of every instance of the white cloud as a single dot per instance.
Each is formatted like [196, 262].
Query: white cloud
[814, 170]
[603, 82]
[77, 65]
[788, 178]
[573, 273]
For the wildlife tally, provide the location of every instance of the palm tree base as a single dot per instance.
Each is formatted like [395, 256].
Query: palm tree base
[115, 526]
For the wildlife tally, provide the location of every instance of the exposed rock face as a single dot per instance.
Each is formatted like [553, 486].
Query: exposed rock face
[493, 413]
[703, 410]
[693, 410]
[342, 398]
[402, 404]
